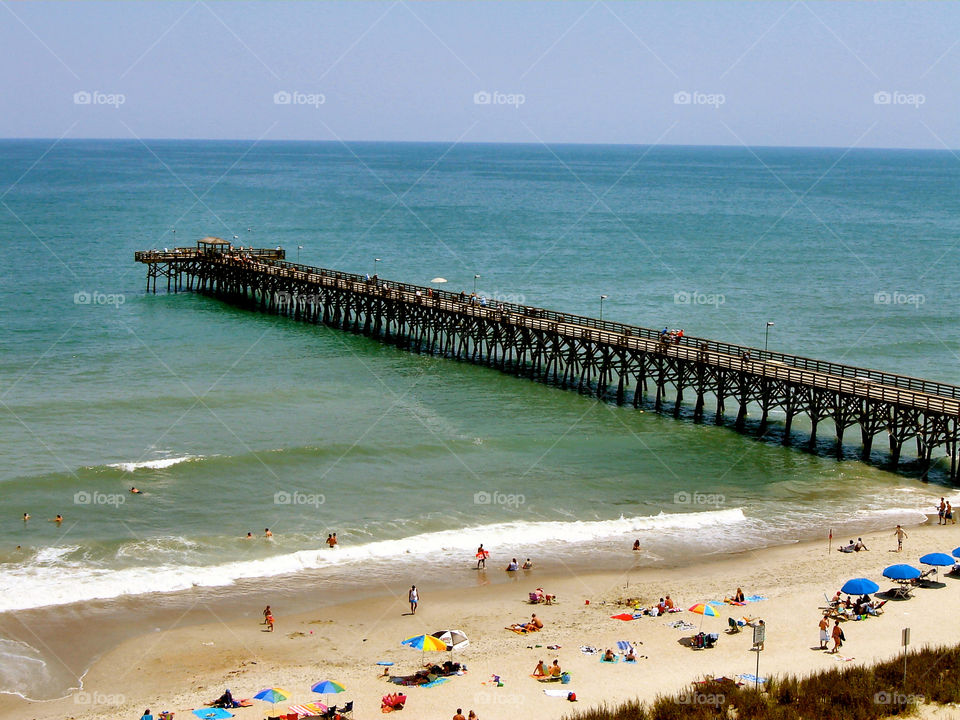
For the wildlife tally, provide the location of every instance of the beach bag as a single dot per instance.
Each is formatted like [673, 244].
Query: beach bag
[572, 697]
[565, 679]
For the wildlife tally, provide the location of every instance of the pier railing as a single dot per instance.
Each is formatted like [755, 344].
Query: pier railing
[782, 366]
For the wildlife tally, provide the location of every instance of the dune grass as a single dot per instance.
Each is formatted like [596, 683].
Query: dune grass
[840, 693]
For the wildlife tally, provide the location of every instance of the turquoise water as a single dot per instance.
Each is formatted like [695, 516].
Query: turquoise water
[212, 411]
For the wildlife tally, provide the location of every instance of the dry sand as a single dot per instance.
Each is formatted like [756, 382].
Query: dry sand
[181, 668]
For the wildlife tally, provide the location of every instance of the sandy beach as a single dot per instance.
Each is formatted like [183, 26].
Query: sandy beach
[182, 668]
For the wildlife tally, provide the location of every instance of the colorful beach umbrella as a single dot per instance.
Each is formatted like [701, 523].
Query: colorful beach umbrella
[704, 609]
[901, 572]
[328, 687]
[272, 695]
[425, 643]
[860, 586]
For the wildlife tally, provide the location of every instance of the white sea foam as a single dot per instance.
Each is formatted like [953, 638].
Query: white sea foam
[157, 464]
[22, 670]
[51, 579]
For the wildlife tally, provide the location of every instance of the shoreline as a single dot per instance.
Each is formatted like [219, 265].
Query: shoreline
[220, 641]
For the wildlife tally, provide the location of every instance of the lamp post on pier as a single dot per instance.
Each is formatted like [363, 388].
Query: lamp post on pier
[299, 248]
[375, 261]
[475, 278]
[766, 335]
[602, 298]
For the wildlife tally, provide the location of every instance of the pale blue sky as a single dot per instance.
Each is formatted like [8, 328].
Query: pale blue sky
[778, 73]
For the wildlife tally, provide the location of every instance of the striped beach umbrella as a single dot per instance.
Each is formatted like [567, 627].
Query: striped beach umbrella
[272, 695]
[328, 687]
[704, 610]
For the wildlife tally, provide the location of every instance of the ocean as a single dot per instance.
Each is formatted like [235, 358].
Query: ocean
[232, 422]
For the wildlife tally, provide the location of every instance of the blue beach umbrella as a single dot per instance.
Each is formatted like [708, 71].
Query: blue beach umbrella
[937, 559]
[859, 586]
[956, 552]
[901, 572]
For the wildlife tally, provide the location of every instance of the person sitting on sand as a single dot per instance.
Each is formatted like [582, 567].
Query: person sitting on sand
[848, 548]
[860, 546]
[472, 716]
[737, 597]
[459, 715]
[512, 565]
[535, 624]
[540, 670]
[630, 655]
[670, 604]
[661, 607]
[555, 670]
[225, 701]
[146, 715]
[608, 656]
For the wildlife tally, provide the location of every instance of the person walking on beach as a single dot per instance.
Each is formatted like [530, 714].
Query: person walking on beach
[941, 510]
[900, 537]
[824, 632]
[948, 515]
[270, 622]
[266, 614]
[481, 557]
[837, 636]
[414, 597]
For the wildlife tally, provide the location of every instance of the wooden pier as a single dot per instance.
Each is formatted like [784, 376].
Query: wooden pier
[598, 357]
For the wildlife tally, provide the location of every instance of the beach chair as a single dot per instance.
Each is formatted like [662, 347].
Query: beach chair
[733, 626]
[347, 709]
[924, 577]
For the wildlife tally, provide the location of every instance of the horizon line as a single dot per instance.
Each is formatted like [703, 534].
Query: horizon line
[481, 142]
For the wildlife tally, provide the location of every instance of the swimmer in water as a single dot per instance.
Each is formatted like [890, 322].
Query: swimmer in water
[135, 491]
[249, 536]
[26, 516]
[58, 519]
[267, 533]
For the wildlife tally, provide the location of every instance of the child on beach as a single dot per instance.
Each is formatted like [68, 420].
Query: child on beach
[900, 534]
[540, 670]
[270, 622]
[266, 614]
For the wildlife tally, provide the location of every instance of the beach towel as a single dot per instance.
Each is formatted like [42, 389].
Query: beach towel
[756, 598]
[747, 677]
[624, 646]
[212, 713]
[624, 616]
[246, 702]
[557, 693]
[308, 709]
[842, 658]
[681, 625]
[588, 650]
[611, 662]
[434, 683]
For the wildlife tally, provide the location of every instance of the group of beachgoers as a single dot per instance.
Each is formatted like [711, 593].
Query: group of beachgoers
[512, 566]
[945, 513]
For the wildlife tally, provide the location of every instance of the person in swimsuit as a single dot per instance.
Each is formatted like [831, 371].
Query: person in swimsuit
[58, 519]
[824, 632]
[540, 670]
[135, 491]
[941, 510]
[512, 565]
[636, 545]
[267, 533]
[414, 597]
[26, 517]
[555, 670]
[527, 565]
[481, 557]
[900, 537]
